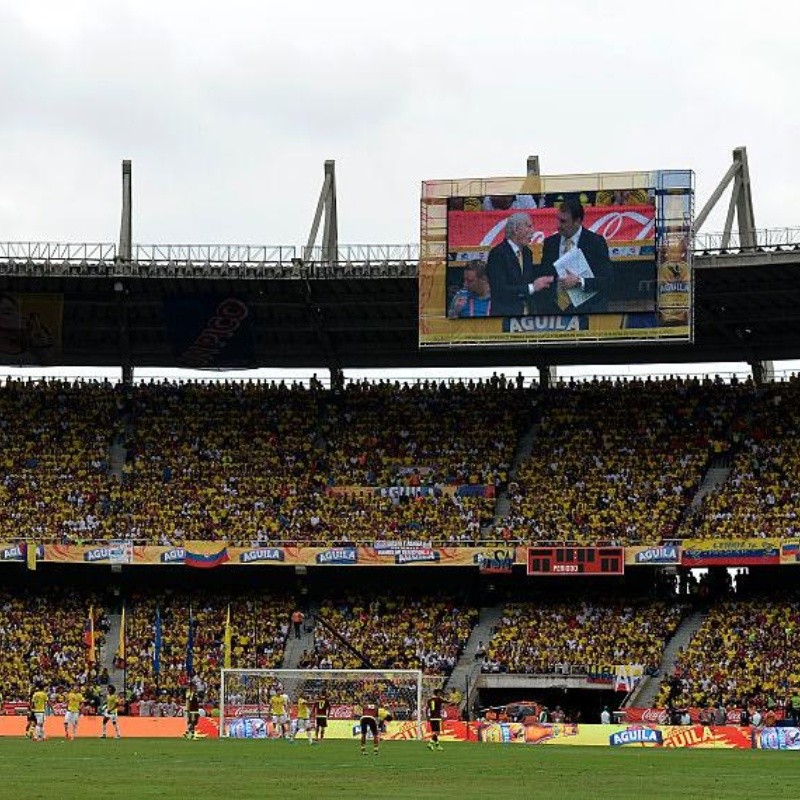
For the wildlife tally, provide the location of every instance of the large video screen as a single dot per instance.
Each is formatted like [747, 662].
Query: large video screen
[557, 259]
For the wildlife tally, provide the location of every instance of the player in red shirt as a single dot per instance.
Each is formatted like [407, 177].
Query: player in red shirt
[371, 715]
[322, 708]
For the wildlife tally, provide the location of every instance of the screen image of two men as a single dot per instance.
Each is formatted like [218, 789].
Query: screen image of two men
[571, 277]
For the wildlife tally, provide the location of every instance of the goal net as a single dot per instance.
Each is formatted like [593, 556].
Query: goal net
[246, 706]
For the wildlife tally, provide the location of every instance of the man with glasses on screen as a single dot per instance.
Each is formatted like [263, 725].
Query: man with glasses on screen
[512, 276]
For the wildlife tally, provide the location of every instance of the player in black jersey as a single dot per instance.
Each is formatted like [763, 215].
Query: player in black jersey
[435, 707]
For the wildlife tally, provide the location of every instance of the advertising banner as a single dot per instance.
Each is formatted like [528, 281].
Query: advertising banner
[396, 552]
[672, 736]
[632, 224]
[209, 330]
[498, 561]
[730, 552]
[660, 716]
[30, 328]
[462, 490]
[776, 739]
[90, 727]
[381, 554]
[646, 556]
[18, 551]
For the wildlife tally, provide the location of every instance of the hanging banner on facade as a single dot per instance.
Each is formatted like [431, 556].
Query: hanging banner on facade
[383, 554]
[30, 328]
[730, 552]
[209, 331]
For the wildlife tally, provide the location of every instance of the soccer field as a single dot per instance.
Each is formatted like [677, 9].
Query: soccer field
[236, 769]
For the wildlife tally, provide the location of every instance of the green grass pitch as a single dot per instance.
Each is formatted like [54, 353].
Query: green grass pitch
[236, 769]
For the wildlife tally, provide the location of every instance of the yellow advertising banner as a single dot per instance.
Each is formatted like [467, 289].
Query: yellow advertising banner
[672, 736]
[412, 553]
[381, 554]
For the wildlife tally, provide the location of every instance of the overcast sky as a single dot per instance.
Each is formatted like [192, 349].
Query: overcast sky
[228, 109]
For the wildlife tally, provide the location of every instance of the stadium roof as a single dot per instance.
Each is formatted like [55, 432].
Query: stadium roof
[363, 314]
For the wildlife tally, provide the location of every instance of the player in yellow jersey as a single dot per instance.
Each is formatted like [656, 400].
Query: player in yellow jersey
[39, 708]
[110, 711]
[279, 708]
[304, 718]
[74, 703]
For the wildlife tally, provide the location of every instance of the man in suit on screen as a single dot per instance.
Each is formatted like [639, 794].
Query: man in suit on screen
[512, 276]
[571, 234]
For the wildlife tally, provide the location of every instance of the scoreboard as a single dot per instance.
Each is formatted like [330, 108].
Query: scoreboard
[576, 561]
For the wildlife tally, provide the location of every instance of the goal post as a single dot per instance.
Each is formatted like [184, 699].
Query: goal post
[246, 712]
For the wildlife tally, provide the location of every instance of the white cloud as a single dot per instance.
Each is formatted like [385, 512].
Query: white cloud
[229, 109]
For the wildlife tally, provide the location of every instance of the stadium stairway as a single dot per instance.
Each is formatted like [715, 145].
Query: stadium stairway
[116, 676]
[521, 454]
[646, 692]
[715, 476]
[468, 666]
[293, 651]
[116, 459]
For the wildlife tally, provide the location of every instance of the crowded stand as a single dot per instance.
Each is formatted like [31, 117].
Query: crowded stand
[258, 463]
[259, 625]
[56, 438]
[620, 462]
[741, 656]
[761, 497]
[579, 637]
[264, 464]
[44, 639]
[218, 460]
[397, 631]
[424, 434]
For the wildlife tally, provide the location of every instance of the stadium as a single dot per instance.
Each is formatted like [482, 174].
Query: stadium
[509, 569]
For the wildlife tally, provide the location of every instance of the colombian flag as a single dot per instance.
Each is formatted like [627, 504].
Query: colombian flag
[205, 554]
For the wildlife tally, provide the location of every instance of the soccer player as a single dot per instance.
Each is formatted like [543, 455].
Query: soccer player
[304, 718]
[369, 722]
[434, 708]
[192, 709]
[74, 703]
[321, 710]
[39, 708]
[279, 705]
[110, 710]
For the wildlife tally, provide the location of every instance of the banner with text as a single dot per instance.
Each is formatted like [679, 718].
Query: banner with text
[381, 554]
[730, 552]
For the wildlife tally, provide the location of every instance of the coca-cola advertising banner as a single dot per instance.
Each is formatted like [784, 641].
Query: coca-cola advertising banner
[661, 716]
[633, 225]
